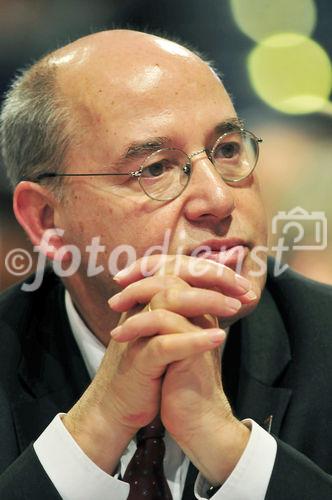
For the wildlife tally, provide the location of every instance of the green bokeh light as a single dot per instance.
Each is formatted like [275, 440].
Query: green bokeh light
[291, 73]
[260, 19]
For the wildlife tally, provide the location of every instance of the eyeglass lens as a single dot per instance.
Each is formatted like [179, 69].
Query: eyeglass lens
[166, 173]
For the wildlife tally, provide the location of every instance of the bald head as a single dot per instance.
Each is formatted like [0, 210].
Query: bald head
[130, 76]
[65, 97]
[120, 41]
[119, 50]
[113, 69]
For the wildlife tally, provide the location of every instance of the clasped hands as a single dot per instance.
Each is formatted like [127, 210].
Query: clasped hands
[165, 358]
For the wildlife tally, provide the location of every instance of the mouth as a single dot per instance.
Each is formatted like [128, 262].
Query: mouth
[229, 252]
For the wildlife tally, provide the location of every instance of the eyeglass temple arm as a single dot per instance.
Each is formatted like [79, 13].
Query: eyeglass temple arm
[45, 175]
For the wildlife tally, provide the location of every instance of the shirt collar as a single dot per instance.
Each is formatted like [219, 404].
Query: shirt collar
[91, 348]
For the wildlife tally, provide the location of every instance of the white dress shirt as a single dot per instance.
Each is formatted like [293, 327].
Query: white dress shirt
[76, 477]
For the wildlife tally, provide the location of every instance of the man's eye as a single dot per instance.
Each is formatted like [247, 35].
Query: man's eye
[228, 150]
[156, 169]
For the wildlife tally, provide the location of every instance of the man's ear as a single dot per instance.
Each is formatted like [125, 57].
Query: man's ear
[34, 208]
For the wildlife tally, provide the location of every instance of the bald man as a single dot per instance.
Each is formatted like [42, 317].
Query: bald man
[124, 148]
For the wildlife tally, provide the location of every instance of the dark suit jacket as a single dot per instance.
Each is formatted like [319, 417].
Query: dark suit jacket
[277, 361]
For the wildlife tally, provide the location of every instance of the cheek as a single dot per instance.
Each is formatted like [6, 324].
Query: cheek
[259, 214]
[253, 220]
[83, 218]
[250, 205]
[115, 222]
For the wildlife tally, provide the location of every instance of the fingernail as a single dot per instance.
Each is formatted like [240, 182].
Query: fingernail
[113, 301]
[122, 273]
[232, 304]
[242, 282]
[216, 336]
[251, 295]
[116, 331]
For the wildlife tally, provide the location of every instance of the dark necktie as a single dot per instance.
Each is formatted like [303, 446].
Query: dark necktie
[145, 472]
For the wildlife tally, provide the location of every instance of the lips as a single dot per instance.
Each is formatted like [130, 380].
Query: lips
[230, 252]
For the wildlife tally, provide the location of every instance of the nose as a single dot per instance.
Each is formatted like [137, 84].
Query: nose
[207, 196]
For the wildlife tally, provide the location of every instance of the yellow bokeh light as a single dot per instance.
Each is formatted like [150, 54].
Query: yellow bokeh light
[260, 19]
[291, 73]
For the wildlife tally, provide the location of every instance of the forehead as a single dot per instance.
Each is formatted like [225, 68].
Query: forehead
[135, 94]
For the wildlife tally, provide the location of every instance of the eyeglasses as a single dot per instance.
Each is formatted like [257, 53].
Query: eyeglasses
[164, 174]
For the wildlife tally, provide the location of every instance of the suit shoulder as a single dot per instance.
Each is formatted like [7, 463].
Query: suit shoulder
[20, 310]
[21, 313]
[15, 300]
[291, 281]
[301, 300]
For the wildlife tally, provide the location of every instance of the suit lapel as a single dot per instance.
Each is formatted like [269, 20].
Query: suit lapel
[266, 405]
[265, 354]
[52, 374]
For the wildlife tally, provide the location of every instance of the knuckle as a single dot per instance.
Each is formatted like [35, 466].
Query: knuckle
[158, 346]
[164, 299]
[169, 264]
[159, 315]
[171, 296]
[173, 280]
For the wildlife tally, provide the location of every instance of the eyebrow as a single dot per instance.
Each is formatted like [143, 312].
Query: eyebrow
[150, 145]
[229, 125]
[140, 149]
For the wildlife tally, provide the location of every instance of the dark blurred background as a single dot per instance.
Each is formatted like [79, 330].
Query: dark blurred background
[275, 60]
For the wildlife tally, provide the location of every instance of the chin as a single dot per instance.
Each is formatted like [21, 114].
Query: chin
[244, 311]
[249, 269]
[253, 269]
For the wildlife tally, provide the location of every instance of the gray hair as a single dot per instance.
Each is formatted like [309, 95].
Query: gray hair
[34, 124]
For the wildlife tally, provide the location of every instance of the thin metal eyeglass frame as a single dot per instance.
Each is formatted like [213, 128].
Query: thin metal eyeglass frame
[137, 173]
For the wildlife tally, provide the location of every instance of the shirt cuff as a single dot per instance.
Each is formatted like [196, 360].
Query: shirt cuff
[251, 476]
[73, 473]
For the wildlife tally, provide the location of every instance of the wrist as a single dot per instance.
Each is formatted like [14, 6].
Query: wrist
[216, 449]
[102, 439]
